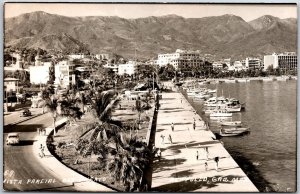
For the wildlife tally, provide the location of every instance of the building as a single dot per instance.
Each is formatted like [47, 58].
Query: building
[217, 65]
[253, 63]
[284, 61]
[238, 66]
[11, 84]
[102, 56]
[64, 74]
[76, 56]
[127, 68]
[180, 59]
[39, 74]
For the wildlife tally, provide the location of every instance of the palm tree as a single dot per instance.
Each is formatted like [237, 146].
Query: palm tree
[52, 105]
[126, 161]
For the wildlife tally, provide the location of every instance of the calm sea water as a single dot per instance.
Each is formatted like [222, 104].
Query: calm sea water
[268, 153]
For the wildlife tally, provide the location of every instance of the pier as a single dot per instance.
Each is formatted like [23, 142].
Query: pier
[179, 169]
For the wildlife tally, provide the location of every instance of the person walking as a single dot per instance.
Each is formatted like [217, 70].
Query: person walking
[42, 154]
[170, 139]
[172, 126]
[162, 139]
[206, 152]
[217, 163]
[206, 166]
[197, 155]
[194, 125]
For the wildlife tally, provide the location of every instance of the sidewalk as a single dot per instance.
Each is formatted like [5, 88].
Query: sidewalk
[178, 169]
[62, 172]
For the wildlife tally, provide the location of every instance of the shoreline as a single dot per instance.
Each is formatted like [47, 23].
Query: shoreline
[244, 163]
[242, 80]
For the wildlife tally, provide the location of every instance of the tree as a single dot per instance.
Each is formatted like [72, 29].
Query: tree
[127, 161]
[51, 104]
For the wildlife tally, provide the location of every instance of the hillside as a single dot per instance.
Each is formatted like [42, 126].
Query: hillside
[224, 36]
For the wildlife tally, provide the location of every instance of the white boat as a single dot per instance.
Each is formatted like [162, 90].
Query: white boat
[210, 91]
[232, 123]
[216, 101]
[232, 109]
[220, 113]
[233, 131]
[202, 95]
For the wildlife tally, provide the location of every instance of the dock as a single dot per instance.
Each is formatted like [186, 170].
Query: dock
[179, 169]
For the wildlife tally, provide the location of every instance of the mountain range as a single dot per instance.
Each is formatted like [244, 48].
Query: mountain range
[223, 36]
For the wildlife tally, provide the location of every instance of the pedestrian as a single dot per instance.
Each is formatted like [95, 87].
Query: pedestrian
[39, 130]
[42, 154]
[194, 125]
[197, 155]
[159, 154]
[172, 126]
[206, 166]
[217, 163]
[162, 139]
[170, 139]
[206, 152]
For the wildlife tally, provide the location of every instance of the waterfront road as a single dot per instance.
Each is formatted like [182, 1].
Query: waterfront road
[22, 170]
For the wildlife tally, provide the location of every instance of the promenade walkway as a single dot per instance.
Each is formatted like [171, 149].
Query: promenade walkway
[178, 169]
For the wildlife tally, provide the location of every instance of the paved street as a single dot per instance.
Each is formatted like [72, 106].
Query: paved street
[22, 161]
[12, 117]
[178, 170]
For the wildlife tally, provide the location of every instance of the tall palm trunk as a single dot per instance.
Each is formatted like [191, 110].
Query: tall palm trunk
[54, 119]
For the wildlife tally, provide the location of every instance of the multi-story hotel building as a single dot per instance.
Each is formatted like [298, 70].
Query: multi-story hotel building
[285, 61]
[252, 63]
[180, 59]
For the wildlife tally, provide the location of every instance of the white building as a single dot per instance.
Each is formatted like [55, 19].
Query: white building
[64, 74]
[287, 60]
[10, 84]
[252, 63]
[238, 66]
[39, 74]
[127, 68]
[76, 56]
[180, 58]
[217, 65]
[102, 56]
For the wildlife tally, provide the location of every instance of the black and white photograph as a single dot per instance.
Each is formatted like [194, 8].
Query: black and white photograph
[150, 97]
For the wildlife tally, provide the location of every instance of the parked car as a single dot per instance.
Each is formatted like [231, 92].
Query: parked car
[12, 139]
[25, 113]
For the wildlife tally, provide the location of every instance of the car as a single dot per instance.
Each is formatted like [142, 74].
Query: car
[25, 113]
[12, 139]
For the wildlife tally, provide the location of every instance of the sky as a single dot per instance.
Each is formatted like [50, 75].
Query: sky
[247, 11]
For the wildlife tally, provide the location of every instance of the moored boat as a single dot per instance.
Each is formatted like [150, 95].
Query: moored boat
[232, 123]
[233, 131]
[220, 113]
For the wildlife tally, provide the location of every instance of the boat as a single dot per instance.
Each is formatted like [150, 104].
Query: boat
[233, 131]
[210, 91]
[202, 95]
[232, 123]
[236, 108]
[220, 113]
[235, 104]
[216, 101]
